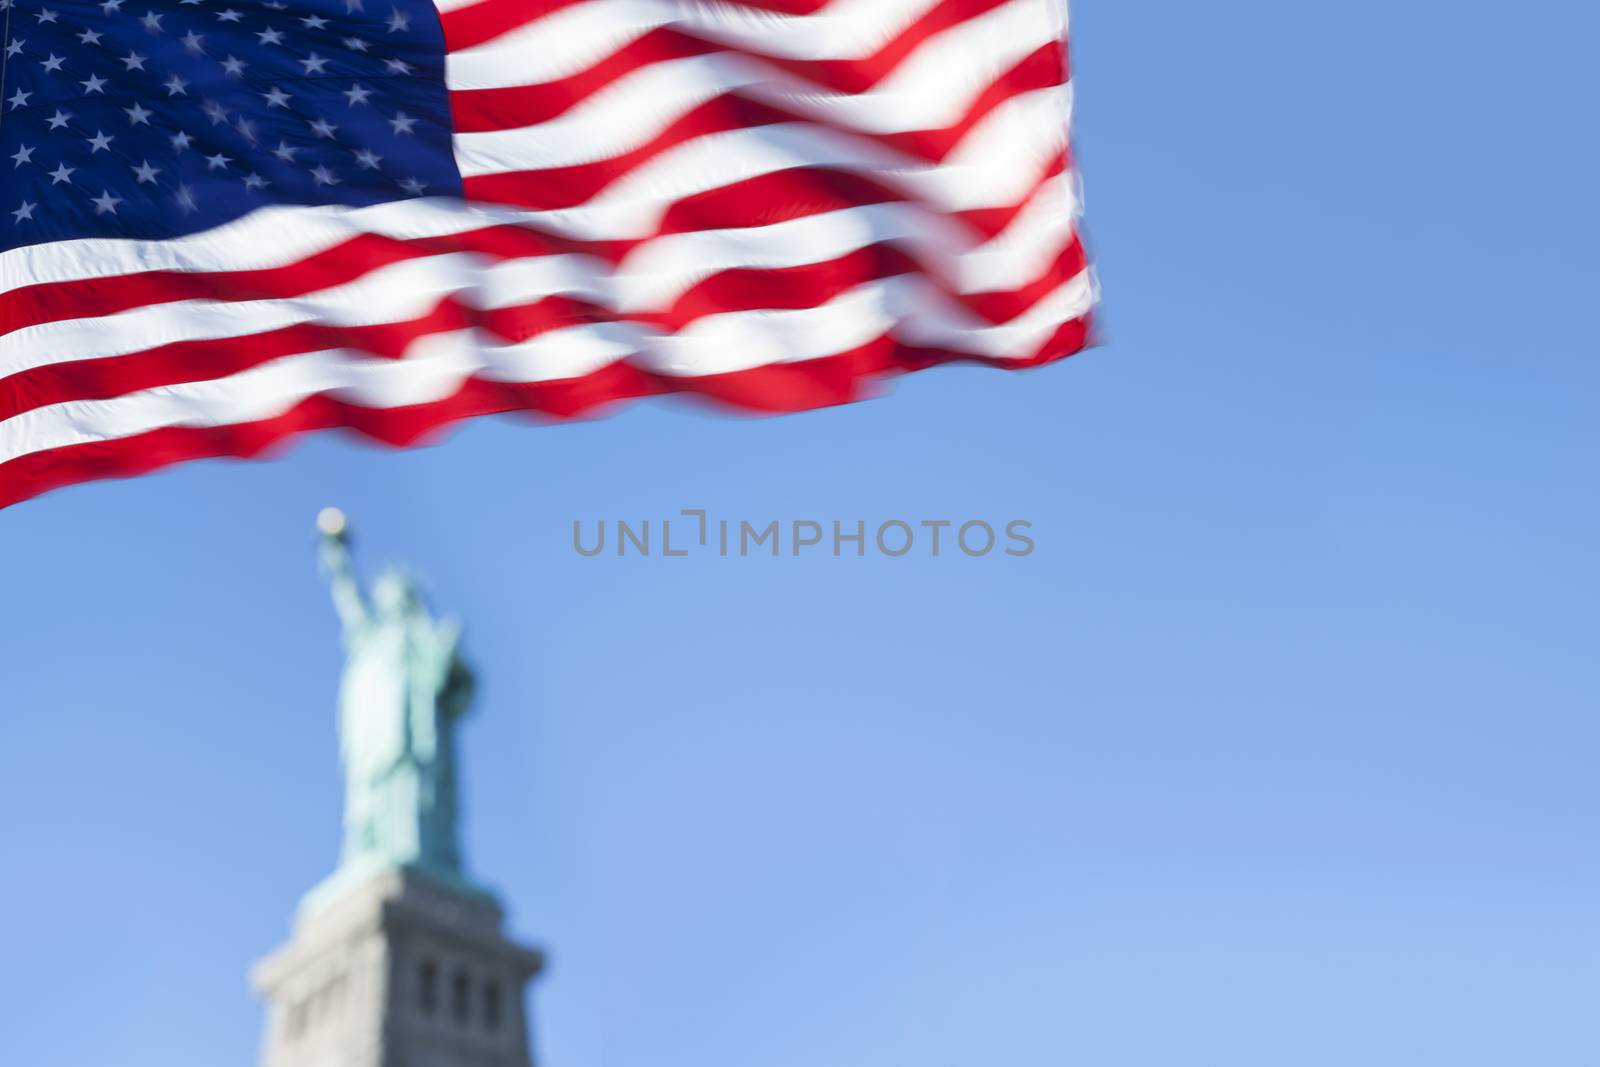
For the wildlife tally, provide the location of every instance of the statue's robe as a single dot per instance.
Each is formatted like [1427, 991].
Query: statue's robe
[404, 684]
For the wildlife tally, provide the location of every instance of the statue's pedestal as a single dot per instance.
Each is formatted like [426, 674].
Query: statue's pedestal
[397, 969]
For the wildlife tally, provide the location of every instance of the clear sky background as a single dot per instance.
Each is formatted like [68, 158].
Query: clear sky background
[1279, 752]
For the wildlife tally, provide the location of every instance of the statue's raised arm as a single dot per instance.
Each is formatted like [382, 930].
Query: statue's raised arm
[348, 599]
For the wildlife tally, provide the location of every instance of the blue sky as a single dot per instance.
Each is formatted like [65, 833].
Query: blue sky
[1278, 752]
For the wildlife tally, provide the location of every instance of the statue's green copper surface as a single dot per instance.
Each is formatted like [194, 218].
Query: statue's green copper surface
[405, 686]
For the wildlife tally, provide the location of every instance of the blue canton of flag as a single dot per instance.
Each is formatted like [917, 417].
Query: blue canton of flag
[164, 117]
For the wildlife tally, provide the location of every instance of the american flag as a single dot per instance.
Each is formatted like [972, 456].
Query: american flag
[224, 222]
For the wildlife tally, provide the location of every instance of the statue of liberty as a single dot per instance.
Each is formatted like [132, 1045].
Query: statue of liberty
[404, 688]
[396, 959]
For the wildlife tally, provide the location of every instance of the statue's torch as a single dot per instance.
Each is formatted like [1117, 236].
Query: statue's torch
[332, 523]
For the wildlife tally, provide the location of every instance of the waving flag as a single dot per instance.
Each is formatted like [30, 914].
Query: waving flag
[228, 221]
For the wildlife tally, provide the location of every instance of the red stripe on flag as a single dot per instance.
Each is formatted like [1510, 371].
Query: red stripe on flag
[564, 187]
[775, 388]
[466, 27]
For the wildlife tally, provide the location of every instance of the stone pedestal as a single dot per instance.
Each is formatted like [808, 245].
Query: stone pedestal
[399, 970]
